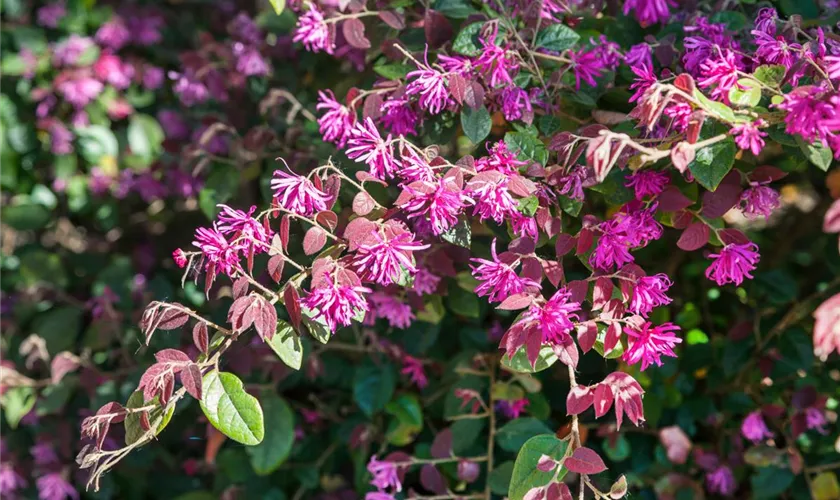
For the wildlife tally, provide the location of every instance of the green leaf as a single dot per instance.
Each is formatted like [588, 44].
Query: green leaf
[712, 163]
[274, 449]
[220, 187]
[618, 451]
[816, 153]
[145, 138]
[476, 123]
[519, 361]
[613, 188]
[825, 486]
[16, 403]
[26, 216]
[525, 473]
[456, 9]
[96, 142]
[557, 37]
[460, 234]
[230, 409]
[465, 434]
[500, 478]
[528, 206]
[720, 110]
[278, 6]
[373, 386]
[393, 71]
[463, 303]
[746, 93]
[59, 327]
[157, 419]
[770, 74]
[513, 435]
[467, 41]
[770, 482]
[569, 205]
[287, 345]
[407, 421]
[526, 146]
[734, 20]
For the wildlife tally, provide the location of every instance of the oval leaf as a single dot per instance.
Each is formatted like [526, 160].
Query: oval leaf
[267, 456]
[287, 345]
[230, 409]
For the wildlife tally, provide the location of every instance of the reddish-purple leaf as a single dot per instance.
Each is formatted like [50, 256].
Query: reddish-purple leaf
[373, 107]
[392, 19]
[265, 318]
[553, 271]
[585, 238]
[474, 95]
[731, 235]
[831, 222]
[432, 480]
[275, 267]
[144, 421]
[357, 231]
[363, 203]
[695, 236]
[285, 221]
[766, 173]
[458, 87]
[314, 240]
[672, 200]
[442, 444]
[603, 399]
[567, 352]
[171, 318]
[721, 200]
[676, 443]
[201, 337]
[579, 399]
[587, 335]
[546, 463]
[172, 357]
[62, 364]
[354, 32]
[578, 289]
[602, 292]
[191, 379]
[291, 299]
[565, 243]
[521, 186]
[681, 219]
[585, 461]
[240, 287]
[328, 219]
[437, 28]
[611, 338]
[517, 301]
[522, 246]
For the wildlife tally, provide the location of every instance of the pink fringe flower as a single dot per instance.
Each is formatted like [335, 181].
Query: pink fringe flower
[313, 31]
[337, 304]
[733, 263]
[367, 146]
[413, 367]
[647, 183]
[336, 124]
[649, 343]
[754, 428]
[498, 276]
[748, 136]
[759, 200]
[648, 293]
[385, 255]
[297, 193]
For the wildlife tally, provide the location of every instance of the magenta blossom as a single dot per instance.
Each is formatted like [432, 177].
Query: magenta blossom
[492, 199]
[180, 258]
[647, 183]
[297, 193]
[815, 420]
[648, 343]
[498, 276]
[497, 65]
[512, 409]
[833, 66]
[386, 255]
[399, 116]
[649, 12]
[415, 167]
[80, 91]
[413, 367]
[759, 200]
[516, 104]
[49, 15]
[721, 481]
[648, 293]
[384, 474]
[430, 84]
[313, 31]
[748, 136]
[337, 304]
[613, 248]
[440, 203]
[733, 263]
[586, 66]
[221, 255]
[645, 78]
[425, 282]
[571, 184]
[113, 34]
[754, 428]
[499, 158]
[337, 122]
[10, 480]
[554, 318]
[54, 486]
[242, 228]
[249, 61]
[639, 55]
[367, 146]
[772, 49]
[389, 307]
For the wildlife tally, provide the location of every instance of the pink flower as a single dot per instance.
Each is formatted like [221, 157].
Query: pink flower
[498, 276]
[397, 312]
[297, 193]
[189, 89]
[759, 199]
[180, 258]
[648, 343]
[827, 327]
[53, 486]
[554, 318]
[49, 15]
[494, 62]
[586, 66]
[645, 78]
[807, 113]
[721, 72]
[613, 249]
[110, 69]
[384, 474]
[337, 304]
[647, 183]
[387, 254]
[648, 293]
[314, 32]
[748, 136]
[833, 63]
[399, 116]
[249, 61]
[221, 255]
[733, 263]
[430, 84]
[775, 49]
[680, 113]
[492, 198]
[415, 167]
[80, 91]
[501, 159]
[113, 34]
[721, 481]
[649, 12]
[336, 124]
[571, 184]
[512, 409]
[244, 229]
[516, 104]
[425, 282]
[639, 56]
[366, 146]
[815, 420]
[413, 367]
[441, 202]
[524, 226]
[754, 428]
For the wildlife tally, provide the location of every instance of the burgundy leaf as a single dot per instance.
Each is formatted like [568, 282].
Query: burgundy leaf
[314, 240]
[291, 299]
[766, 173]
[201, 337]
[172, 318]
[458, 87]
[565, 243]
[585, 238]
[241, 313]
[275, 267]
[474, 95]
[579, 399]
[62, 364]
[579, 289]
[587, 335]
[144, 421]
[685, 83]
[172, 357]
[602, 399]
[363, 204]
[602, 292]
[546, 463]
[354, 32]
[284, 231]
[672, 200]
[240, 287]
[442, 444]
[682, 155]
[432, 480]
[392, 19]
[327, 218]
[357, 231]
[553, 271]
[521, 186]
[517, 301]
[558, 491]
[695, 236]
[437, 28]
[522, 246]
[191, 379]
[611, 338]
[265, 318]
[585, 461]
[567, 352]
[721, 200]
[373, 107]
[532, 269]
[731, 235]
[681, 219]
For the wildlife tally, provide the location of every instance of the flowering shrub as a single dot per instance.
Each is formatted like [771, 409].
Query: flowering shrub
[401, 250]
